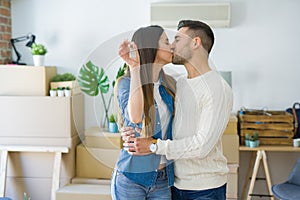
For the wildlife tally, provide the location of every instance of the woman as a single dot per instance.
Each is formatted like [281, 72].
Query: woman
[145, 96]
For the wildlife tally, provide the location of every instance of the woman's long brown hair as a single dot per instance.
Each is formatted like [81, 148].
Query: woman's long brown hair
[147, 39]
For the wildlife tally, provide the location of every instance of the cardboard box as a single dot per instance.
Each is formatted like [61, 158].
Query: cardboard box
[40, 165]
[232, 182]
[232, 128]
[36, 188]
[17, 80]
[35, 141]
[30, 120]
[97, 138]
[231, 148]
[95, 162]
[84, 192]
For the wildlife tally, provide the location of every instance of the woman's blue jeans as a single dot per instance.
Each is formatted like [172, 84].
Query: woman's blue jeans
[123, 188]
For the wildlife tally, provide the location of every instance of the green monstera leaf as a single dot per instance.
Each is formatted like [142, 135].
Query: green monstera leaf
[92, 79]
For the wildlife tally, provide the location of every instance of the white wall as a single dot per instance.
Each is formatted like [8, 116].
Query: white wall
[260, 48]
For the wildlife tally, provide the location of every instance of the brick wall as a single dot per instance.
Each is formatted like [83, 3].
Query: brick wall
[5, 31]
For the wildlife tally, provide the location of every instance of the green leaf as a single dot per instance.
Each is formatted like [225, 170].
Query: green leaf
[38, 49]
[104, 88]
[104, 80]
[121, 71]
[91, 81]
[112, 118]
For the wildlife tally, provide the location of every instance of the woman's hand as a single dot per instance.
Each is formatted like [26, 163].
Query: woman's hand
[127, 133]
[124, 52]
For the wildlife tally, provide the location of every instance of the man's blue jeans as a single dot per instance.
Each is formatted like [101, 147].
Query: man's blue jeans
[211, 194]
[123, 188]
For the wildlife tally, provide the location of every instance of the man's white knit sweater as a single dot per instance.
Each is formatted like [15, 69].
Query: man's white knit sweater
[203, 106]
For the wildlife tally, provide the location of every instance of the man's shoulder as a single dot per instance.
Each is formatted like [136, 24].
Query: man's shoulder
[181, 80]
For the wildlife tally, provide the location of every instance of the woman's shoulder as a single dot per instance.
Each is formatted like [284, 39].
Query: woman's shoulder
[125, 80]
[123, 84]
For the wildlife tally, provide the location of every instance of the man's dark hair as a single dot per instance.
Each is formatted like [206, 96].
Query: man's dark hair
[199, 29]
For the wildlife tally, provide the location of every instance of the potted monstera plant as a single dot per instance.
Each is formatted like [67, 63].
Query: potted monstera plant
[93, 81]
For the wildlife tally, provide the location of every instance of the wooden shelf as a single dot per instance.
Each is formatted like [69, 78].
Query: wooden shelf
[271, 148]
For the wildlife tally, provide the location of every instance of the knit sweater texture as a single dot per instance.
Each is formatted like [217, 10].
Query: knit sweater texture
[203, 106]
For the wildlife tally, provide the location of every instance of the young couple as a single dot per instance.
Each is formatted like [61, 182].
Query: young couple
[181, 122]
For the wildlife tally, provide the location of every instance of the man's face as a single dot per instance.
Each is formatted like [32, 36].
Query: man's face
[182, 47]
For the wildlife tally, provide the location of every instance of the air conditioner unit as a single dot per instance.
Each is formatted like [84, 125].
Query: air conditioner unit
[169, 14]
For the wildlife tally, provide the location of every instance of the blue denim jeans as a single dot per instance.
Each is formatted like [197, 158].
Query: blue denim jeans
[211, 194]
[123, 188]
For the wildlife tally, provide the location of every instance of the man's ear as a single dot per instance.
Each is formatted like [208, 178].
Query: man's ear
[197, 42]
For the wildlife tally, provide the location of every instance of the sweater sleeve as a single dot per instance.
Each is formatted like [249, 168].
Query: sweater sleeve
[211, 125]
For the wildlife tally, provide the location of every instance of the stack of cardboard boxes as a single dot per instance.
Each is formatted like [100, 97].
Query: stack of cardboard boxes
[29, 117]
[99, 146]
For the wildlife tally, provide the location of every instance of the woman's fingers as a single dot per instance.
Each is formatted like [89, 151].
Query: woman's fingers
[124, 49]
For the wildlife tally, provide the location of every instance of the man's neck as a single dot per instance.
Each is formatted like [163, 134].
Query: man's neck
[196, 68]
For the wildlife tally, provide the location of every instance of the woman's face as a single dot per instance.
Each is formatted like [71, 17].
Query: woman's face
[164, 54]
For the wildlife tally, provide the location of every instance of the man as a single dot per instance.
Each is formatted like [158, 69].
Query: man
[203, 106]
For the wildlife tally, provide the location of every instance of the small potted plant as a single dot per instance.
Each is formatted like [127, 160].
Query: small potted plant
[254, 142]
[63, 77]
[247, 140]
[53, 92]
[68, 91]
[38, 52]
[66, 80]
[60, 91]
[112, 125]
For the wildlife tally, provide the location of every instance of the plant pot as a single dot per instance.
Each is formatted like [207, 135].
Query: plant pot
[257, 143]
[68, 93]
[296, 142]
[60, 93]
[53, 93]
[113, 127]
[38, 60]
[253, 144]
[247, 143]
